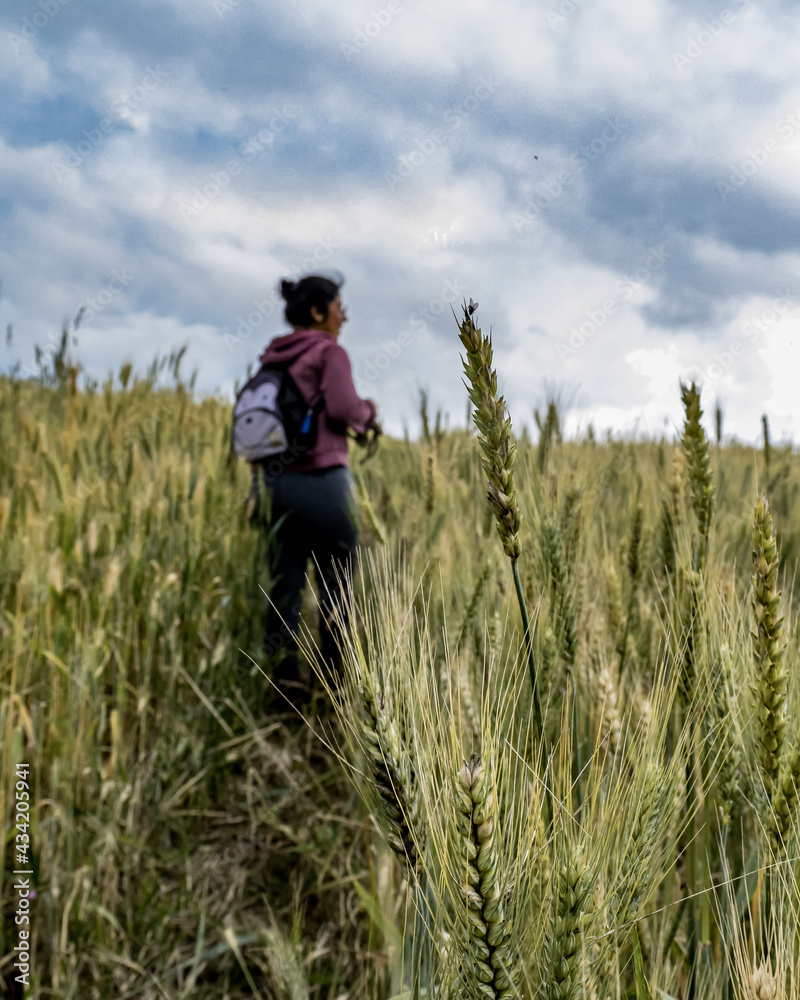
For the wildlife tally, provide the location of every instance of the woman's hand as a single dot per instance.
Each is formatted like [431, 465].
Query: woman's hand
[369, 440]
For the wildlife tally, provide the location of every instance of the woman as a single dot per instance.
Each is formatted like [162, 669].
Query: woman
[312, 498]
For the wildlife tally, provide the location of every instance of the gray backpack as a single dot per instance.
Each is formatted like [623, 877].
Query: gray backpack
[271, 418]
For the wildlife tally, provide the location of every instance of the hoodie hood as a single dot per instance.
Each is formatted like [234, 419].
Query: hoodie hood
[290, 346]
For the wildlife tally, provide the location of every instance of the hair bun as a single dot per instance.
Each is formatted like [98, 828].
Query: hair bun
[288, 289]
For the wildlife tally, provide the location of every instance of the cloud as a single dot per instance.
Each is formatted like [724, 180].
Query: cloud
[531, 158]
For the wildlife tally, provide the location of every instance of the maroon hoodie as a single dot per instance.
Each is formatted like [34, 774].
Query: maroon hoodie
[321, 369]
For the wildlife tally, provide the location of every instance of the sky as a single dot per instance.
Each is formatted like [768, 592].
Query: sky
[615, 184]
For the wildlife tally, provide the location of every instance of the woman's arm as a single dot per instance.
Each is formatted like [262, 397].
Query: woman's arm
[342, 402]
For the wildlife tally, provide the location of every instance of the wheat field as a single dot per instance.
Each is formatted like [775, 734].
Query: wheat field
[562, 760]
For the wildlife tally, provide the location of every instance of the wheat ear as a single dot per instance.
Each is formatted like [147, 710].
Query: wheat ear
[770, 680]
[499, 456]
[784, 800]
[494, 426]
[429, 484]
[765, 985]
[637, 866]
[611, 723]
[490, 964]
[729, 788]
[695, 446]
[394, 778]
[572, 893]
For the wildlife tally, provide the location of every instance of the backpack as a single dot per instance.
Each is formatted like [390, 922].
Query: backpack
[271, 419]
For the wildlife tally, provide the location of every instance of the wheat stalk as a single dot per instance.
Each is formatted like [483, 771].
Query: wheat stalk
[694, 633]
[634, 572]
[471, 609]
[667, 539]
[570, 519]
[499, 456]
[561, 600]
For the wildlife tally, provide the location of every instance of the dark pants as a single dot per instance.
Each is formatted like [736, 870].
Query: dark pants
[317, 516]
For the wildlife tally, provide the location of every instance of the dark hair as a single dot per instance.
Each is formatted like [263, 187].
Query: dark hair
[311, 292]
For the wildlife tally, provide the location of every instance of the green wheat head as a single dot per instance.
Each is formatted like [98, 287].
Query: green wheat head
[769, 687]
[695, 446]
[490, 966]
[494, 427]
